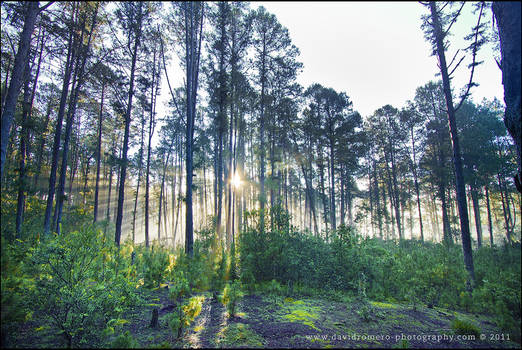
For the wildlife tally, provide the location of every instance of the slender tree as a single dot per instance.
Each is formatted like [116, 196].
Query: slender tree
[130, 16]
[437, 28]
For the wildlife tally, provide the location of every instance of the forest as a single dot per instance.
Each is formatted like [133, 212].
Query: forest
[167, 182]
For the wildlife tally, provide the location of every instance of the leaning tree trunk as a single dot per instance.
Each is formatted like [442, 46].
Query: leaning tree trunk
[507, 15]
[20, 64]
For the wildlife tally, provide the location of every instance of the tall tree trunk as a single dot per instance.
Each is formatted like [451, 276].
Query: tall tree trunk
[147, 182]
[229, 182]
[508, 19]
[343, 194]
[371, 199]
[490, 226]
[322, 189]
[394, 191]
[20, 63]
[98, 154]
[111, 166]
[415, 179]
[504, 201]
[476, 209]
[71, 57]
[79, 74]
[123, 171]
[41, 147]
[377, 200]
[457, 160]
[332, 193]
[85, 179]
[161, 196]
[140, 163]
[23, 138]
[152, 125]
[262, 198]
[193, 38]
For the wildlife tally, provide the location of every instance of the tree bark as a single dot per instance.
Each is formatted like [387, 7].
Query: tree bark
[507, 15]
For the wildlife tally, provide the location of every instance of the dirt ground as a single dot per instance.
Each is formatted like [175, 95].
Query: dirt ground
[284, 322]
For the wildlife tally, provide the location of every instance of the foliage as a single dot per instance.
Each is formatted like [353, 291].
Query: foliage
[154, 266]
[82, 282]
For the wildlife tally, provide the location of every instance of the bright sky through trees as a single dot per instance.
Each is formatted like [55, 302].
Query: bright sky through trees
[376, 51]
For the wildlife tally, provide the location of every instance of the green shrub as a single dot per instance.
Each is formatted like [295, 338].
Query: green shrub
[175, 321]
[154, 265]
[81, 281]
[231, 295]
[184, 314]
[192, 309]
[464, 327]
[14, 287]
[218, 276]
[179, 288]
[125, 341]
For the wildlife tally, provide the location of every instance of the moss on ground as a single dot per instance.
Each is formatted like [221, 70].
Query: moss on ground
[300, 311]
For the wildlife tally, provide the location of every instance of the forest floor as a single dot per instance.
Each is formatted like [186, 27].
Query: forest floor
[264, 321]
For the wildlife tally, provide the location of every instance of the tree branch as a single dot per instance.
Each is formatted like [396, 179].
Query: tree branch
[168, 82]
[473, 64]
[454, 19]
[44, 7]
[453, 70]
